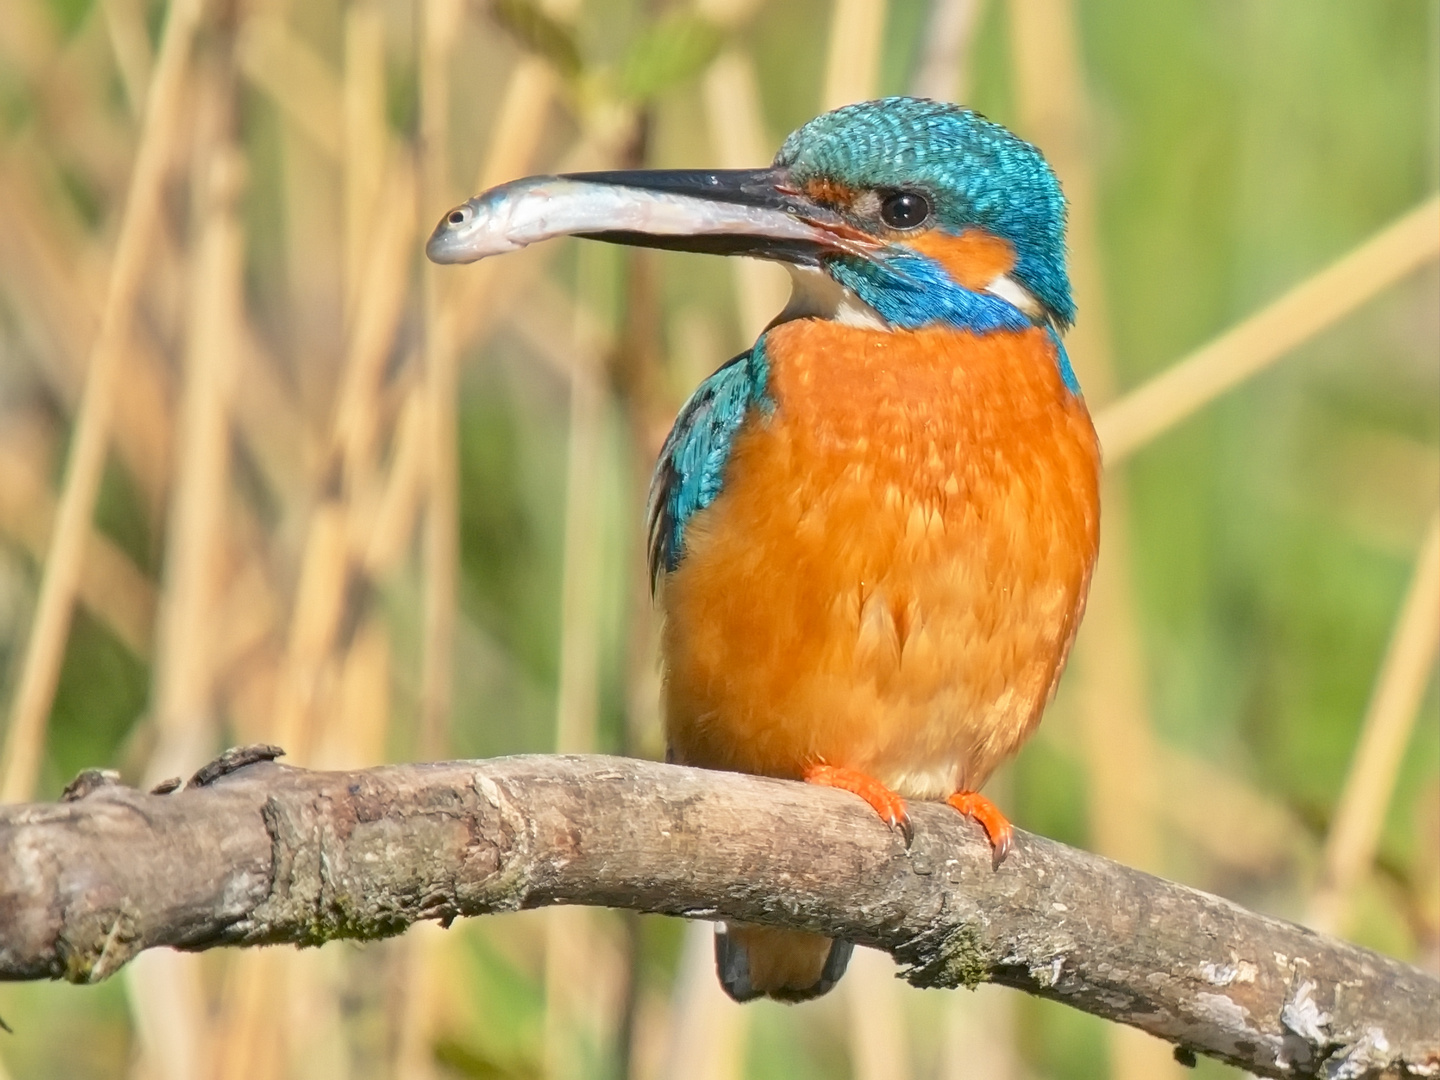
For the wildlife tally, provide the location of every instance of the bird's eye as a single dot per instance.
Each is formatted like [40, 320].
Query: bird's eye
[905, 210]
[458, 216]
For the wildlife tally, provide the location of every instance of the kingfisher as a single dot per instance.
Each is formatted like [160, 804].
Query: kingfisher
[871, 533]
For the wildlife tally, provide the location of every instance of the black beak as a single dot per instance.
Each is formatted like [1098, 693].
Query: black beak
[754, 212]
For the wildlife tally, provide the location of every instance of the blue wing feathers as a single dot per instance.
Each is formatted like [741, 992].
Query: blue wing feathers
[1062, 359]
[691, 468]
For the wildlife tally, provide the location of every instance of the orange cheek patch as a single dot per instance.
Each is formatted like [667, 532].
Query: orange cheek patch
[829, 193]
[974, 259]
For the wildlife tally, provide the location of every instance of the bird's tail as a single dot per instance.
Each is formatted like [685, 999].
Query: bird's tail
[788, 965]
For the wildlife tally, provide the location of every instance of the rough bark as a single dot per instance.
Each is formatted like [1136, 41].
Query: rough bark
[253, 853]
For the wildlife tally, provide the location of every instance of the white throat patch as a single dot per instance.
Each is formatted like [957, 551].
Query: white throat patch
[814, 294]
[1012, 292]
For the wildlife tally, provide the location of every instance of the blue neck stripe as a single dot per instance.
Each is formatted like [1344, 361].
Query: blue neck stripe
[910, 290]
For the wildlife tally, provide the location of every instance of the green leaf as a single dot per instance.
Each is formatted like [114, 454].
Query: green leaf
[540, 33]
[668, 52]
[468, 1061]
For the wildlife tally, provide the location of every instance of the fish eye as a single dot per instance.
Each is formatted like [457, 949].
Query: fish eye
[458, 216]
[905, 210]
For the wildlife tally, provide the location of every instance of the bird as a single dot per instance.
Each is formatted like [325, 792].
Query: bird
[872, 533]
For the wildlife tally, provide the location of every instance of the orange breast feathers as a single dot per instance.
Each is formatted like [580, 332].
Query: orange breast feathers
[894, 569]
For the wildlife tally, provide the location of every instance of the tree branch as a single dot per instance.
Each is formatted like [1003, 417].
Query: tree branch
[256, 853]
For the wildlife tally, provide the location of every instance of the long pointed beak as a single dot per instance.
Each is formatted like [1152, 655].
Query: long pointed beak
[726, 212]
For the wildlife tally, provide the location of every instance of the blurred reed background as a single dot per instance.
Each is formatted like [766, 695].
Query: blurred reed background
[265, 475]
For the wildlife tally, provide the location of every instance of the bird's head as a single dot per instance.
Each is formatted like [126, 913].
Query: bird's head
[900, 212]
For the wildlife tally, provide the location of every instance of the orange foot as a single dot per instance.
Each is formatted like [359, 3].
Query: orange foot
[887, 804]
[1001, 833]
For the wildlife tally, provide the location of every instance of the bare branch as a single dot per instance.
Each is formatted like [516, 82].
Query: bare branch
[257, 853]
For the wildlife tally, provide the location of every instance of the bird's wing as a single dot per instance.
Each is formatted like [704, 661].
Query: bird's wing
[691, 467]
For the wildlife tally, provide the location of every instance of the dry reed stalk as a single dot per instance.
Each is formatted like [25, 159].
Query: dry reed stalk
[441, 551]
[309, 1011]
[578, 968]
[358, 739]
[454, 312]
[328, 711]
[708, 1031]
[183, 706]
[366, 141]
[635, 368]
[440, 22]
[577, 697]
[1237, 826]
[313, 284]
[420, 975]
[1108, 678]
[250, 1037]
[980, 1036]
[381, 300]
[573, 984]
[43, 257]
[1120, 751]
[248, 620]
[399, 502]
[571, 988]
[25, 735]
[249, 689]
[427, 999]
[28, 40]
[332, 544]
[852, 65]
[544, 318]
[43, 249]
[280, 437]
[69, 89]
[1384, 734]
[519, 122]
[737, 130]
[60, 290]
[249, 1047]
[301, 83]
[650, 1030]
[727, 14]
[111, 587]
[1247, 348]
[167, 998]
[943, 71]
[1118, 746]
[130, 43]
[319, 606]
[480, 293]
[874, 998]
[173, 1024]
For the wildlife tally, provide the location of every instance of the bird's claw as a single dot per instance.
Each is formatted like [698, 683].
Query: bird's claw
[987, 815]
[886, 803]
[907, 830]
